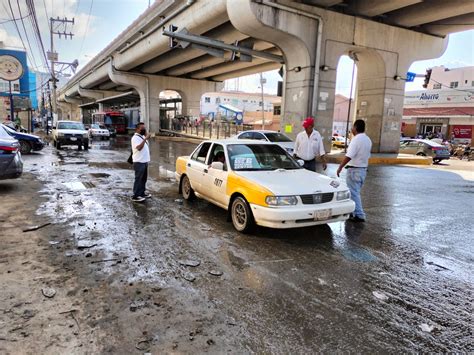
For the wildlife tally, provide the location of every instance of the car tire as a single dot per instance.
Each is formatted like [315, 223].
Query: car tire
[25, 147]
[421, 154]
[241, 215]
[58, 145]
[436, 161]
[186, 189]
[86, 146]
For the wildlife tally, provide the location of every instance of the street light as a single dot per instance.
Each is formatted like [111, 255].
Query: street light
[263, 81]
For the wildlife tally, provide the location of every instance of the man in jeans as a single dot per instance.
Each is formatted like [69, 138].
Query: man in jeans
[358, 155]
[309, 147]
[141, 158]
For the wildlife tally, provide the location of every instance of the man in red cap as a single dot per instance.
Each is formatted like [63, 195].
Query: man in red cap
[309, 147]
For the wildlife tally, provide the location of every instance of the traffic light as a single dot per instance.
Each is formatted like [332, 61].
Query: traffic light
[173, 42]
[427, 78]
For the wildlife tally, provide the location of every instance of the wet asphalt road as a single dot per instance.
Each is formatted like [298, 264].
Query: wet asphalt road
[403, 281]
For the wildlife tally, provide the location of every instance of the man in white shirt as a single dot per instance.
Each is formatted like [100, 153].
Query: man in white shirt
[309, 147]
[141, 158]
[358, 155]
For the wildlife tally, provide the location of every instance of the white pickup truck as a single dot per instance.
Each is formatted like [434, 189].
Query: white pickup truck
[70, 133]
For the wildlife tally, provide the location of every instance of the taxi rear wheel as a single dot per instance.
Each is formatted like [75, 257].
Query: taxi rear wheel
[186, 189]
[241, 215]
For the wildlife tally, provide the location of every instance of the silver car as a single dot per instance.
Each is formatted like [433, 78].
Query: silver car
[11, 164]
[425, 148]
[270, 136]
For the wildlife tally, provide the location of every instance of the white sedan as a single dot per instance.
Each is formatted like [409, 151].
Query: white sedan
[269, 136]
[260, 183]
[97, 130]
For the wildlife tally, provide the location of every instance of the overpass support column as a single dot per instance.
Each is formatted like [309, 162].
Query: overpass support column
[295, 33]
[149, 103]
[73, 108]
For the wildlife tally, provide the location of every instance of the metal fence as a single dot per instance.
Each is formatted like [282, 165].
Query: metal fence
[208, 129]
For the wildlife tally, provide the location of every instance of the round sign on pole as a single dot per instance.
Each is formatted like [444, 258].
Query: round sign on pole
[10, 68]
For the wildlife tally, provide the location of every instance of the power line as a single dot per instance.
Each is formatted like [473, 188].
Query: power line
[26, 34]
[34, 20]
[46, 12]
[87, 27]
[11, 20]
[16, 26]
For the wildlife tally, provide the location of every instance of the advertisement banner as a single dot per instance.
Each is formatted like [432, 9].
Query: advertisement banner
[462, 131]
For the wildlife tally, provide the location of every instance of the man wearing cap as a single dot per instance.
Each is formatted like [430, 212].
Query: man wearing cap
[309, 147]
[357, 155]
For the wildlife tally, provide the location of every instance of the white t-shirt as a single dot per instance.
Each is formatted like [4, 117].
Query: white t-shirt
[359, 151]
[140, 156]
[307, 148]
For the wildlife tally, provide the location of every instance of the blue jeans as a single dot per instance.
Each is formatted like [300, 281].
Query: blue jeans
[141, 175]
[355, 179]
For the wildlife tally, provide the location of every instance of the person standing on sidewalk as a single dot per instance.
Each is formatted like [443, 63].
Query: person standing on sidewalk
[310, 148]
[141, 158]
[358, 155]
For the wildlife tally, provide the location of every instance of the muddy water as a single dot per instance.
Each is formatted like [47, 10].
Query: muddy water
[400, 282]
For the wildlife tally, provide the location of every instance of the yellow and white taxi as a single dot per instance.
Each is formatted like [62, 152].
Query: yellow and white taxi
[260, 183]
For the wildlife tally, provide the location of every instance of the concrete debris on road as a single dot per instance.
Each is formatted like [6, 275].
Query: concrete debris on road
[216, 272]
[380, 295]
[189, 277]
[48, 292]
[85, 245]
[427, 328]
[192, 263]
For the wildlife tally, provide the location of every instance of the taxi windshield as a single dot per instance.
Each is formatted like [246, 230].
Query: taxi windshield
[254, 157]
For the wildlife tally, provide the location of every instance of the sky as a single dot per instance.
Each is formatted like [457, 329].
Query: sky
[98, 22]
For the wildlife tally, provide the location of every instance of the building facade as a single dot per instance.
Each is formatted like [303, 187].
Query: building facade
[20, 87]
[445, 109]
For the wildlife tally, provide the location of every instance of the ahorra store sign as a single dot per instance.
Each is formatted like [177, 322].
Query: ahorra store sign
[439, 97]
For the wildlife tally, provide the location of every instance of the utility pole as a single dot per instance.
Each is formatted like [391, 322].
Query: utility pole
[263, 81]
[58, 26]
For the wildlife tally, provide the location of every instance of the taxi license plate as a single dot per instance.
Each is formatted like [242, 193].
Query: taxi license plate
[322, 215]
[73, 138]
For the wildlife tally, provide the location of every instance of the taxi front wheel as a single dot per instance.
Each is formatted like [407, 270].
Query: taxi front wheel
[241, 215]
[186, 189]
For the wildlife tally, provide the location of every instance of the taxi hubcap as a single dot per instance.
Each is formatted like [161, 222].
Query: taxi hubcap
[186, 186]
[240, 214]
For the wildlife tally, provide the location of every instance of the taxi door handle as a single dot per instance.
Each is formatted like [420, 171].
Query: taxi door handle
[205, 170]
[189, 164]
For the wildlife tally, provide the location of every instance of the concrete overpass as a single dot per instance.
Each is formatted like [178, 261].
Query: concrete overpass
[310, 36]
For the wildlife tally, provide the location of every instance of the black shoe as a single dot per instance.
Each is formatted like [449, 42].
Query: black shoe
[138, 199]
[356, 219]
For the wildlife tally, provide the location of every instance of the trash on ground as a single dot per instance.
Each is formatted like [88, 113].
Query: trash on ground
[189, 277]
[426, 327]
[36, 227]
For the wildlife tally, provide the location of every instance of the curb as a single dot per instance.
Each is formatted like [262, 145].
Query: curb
[389, 159]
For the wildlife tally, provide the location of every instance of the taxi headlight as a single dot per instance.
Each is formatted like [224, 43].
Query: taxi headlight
[281, 200]
[343, 195]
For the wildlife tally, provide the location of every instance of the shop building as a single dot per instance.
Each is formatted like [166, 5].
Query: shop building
[445, 109]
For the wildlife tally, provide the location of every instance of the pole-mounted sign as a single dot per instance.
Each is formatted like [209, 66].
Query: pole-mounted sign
[10, 70]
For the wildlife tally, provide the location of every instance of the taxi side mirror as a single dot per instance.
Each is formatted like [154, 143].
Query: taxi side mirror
[300, 162]
[217, 165]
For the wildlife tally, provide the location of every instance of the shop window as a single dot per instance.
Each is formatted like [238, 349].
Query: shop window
[453, 84]
[218, 100]
[207, 100]
[437, 86]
